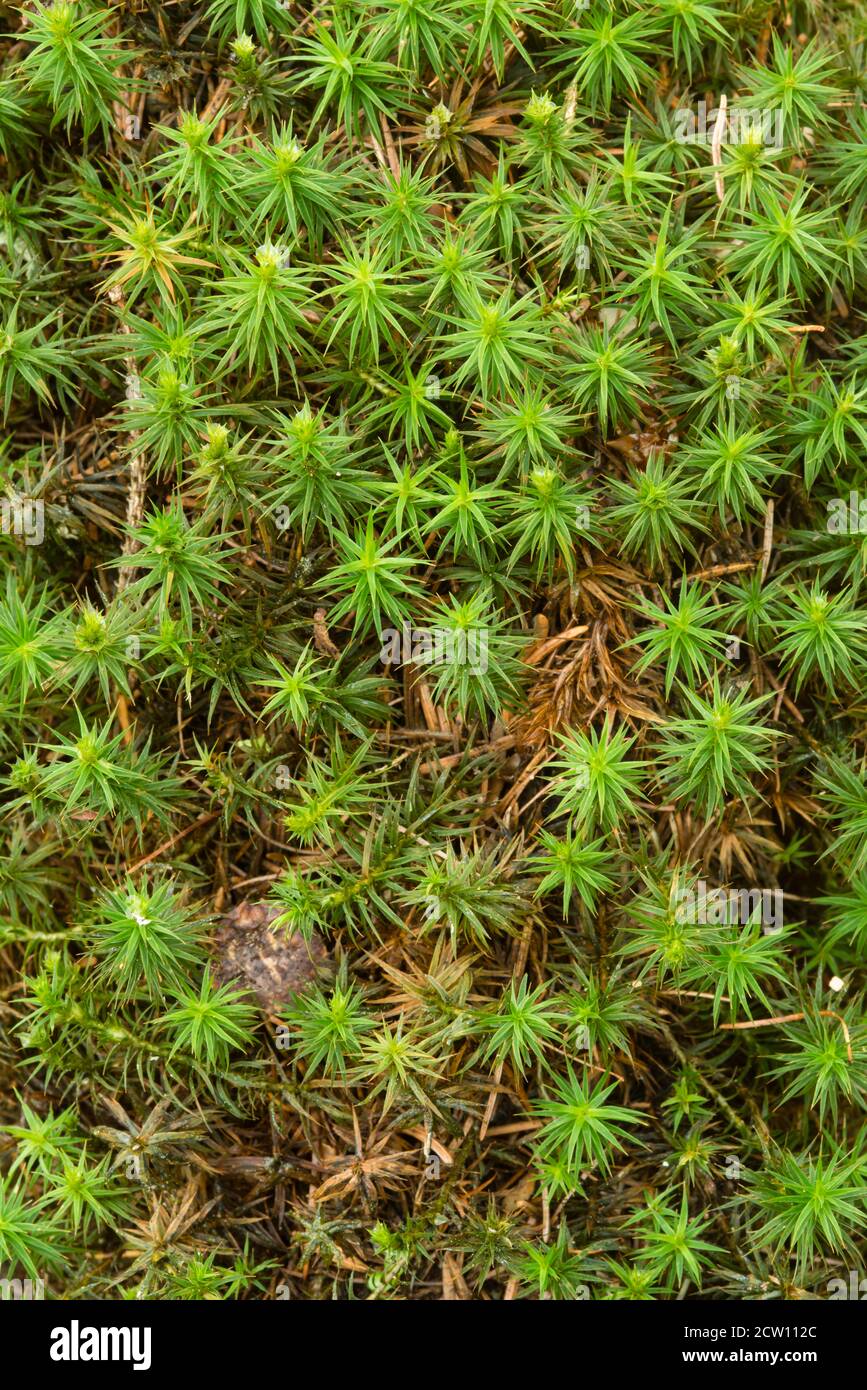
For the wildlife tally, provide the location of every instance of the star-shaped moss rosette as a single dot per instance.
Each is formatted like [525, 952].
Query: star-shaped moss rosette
[432, 642]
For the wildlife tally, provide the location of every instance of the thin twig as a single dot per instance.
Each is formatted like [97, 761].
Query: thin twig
[135, 500]
[176, 839]
[792, 1018]
[716, 147]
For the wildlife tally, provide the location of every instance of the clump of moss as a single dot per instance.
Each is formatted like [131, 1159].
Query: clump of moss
[433, 522]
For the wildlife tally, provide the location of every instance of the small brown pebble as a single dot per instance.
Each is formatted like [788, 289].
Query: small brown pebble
[321, 639]
[271, 965]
